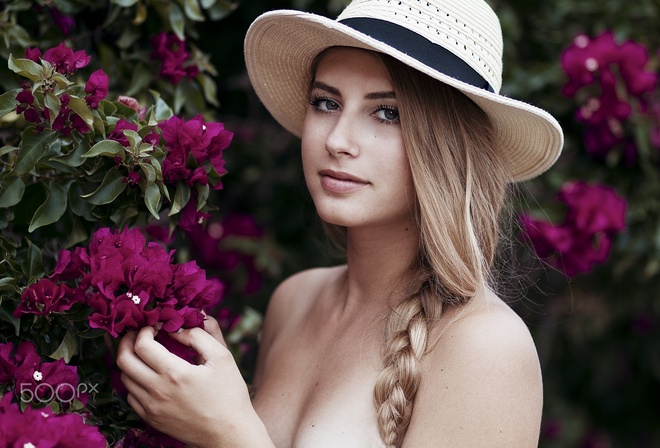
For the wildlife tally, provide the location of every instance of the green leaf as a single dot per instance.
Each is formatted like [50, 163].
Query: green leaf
[80, 107]
[112, 186]
[52, 102]
[152, 199]
[8, 102]
[34, 268]
[11, 191]
[193, 11]
[27, 68]
[163, 111]
[124, 3]
[133, 137]
[74, 158]
[68, 347]
[33, 146]
[177, 21]
[181, 198]
[209, 88]
[7, 317]
[52, 209]
[149, 172]
[110, 148]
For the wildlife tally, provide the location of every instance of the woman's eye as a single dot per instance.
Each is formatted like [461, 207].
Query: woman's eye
[324, 104]
[387, 114]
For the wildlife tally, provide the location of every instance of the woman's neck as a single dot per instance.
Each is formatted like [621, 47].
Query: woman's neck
[378, 265]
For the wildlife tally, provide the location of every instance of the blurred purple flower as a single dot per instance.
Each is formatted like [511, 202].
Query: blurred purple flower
[594, 215]
[607, 106]
[172, 53]
[66, 24]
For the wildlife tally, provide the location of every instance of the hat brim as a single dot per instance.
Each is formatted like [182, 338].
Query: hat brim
[280, 47]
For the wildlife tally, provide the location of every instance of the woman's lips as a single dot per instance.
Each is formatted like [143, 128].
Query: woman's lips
[340, 182]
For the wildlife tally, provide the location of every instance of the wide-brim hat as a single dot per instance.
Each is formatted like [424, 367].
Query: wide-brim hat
[458, 42]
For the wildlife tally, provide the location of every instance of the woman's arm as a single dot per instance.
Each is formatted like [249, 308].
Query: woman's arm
[204, 405]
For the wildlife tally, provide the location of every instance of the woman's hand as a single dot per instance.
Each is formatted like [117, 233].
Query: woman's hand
[203, 405]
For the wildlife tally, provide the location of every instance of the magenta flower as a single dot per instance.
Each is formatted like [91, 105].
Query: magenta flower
[48, 381]
[96, 88]
[595, 213]
[45, 297]
[172, 53]
[614, 77]
[65, 23]
[206, 243]
[65, 60]
[117, 133]
[131, 284]
[205, 141]
[33, 54]
[42, 428]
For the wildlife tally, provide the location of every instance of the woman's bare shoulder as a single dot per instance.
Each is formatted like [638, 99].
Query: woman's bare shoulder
[294, 297]
[482, 383]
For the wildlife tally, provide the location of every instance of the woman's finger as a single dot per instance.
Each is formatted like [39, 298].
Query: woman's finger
[154, 354]
[131, 364]
[212, 327]
[208, 347]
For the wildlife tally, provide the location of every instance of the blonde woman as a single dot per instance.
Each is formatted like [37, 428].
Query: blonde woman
[407, 151]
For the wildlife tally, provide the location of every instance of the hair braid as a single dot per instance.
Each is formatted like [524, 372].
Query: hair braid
[407, 333]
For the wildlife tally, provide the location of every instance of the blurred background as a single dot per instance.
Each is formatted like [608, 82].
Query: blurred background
[581, 264]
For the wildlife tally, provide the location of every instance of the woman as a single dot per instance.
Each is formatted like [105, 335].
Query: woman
[407, 152]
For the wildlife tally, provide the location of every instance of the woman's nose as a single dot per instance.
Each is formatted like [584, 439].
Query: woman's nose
[343, 136]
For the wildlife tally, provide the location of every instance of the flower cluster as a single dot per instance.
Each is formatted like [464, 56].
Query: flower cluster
[36, 381]
[612, 80]
[595, 213]
[50, 92]
[171, 51]
[127, 283]
[34, 428]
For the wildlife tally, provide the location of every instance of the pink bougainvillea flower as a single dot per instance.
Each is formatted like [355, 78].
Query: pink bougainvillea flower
[66, 24]
[205, 141]
[96, 88]
[41, 428]
[49, 381]
[171, 51]
[612, 76]
[33, 54]
[117, 133]
[135, 284]
[65, 60]
[593, 208]
[45, 297]
[595, 213]
[206, 243]
[191, 217]
[70, 264]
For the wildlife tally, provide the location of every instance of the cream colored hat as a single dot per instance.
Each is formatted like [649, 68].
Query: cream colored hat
[458, 42]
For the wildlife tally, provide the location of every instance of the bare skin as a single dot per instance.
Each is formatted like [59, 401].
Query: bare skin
[324, 330]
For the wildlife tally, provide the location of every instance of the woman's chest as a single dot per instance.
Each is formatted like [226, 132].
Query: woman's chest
[315, 394]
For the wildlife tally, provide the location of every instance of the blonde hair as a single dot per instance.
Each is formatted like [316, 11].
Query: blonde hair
[460, 183]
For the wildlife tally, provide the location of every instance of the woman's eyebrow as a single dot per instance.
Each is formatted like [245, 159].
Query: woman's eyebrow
[380, 95]
[326, 87]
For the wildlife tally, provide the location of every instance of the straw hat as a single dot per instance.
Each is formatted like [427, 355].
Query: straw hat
[458, 42]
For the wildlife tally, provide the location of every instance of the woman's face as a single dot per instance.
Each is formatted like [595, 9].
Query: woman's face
[353, 154]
